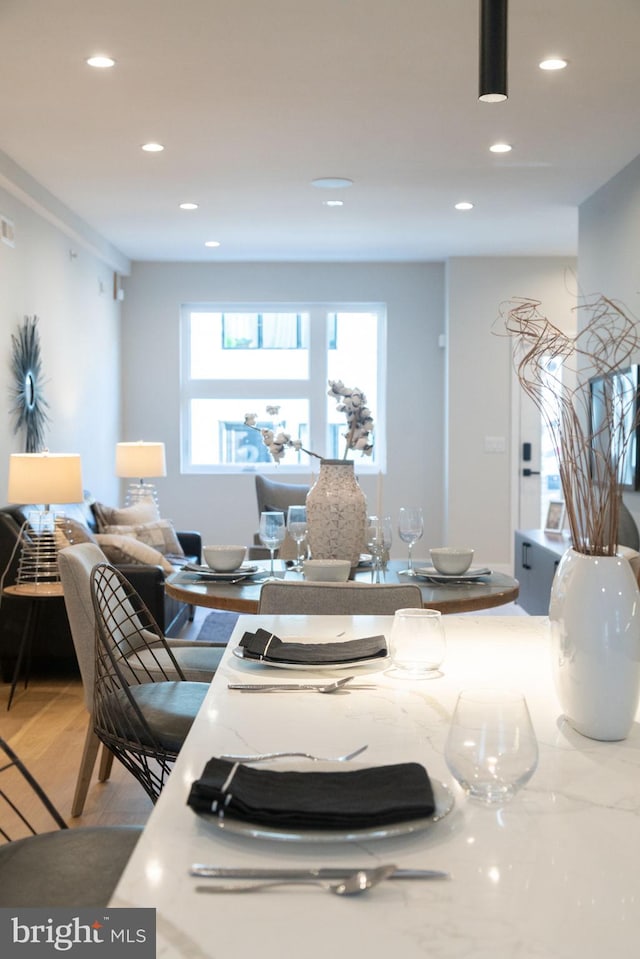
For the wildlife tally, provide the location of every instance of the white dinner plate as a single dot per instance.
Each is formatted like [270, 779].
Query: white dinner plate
[238, 652]
[430, 572]
[209, 573]
[444, 804]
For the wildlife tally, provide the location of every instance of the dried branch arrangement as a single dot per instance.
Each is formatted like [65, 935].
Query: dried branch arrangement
[591, 456]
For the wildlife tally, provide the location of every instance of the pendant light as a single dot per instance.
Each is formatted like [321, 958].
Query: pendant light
[493, 51]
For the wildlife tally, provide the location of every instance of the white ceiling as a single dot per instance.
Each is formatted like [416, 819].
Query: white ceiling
[253, 99]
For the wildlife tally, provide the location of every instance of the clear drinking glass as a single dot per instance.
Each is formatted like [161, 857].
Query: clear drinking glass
[417, 643]
[297, 526]
[410, 530]
[379, 536]
[491, 748]
[272, 533]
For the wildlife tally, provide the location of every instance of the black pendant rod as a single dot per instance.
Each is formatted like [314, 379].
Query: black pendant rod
[493, 51]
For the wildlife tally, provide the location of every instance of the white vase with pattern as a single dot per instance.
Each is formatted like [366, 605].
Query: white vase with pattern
[595, 635]
[336, 513]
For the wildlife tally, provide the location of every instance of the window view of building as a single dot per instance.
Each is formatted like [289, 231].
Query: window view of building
[275, 362]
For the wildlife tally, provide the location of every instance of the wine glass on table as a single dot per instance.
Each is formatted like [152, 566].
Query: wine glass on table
[379, 536]
[410, 530]
[297, 527]
[272, 532]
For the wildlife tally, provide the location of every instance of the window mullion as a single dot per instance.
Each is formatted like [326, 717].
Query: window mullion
[318, 380]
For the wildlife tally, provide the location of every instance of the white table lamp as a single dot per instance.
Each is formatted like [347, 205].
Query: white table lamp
[140, 461]
[43, 479]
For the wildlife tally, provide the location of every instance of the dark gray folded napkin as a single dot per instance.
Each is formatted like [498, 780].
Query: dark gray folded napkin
[354, 799]
[263, 645]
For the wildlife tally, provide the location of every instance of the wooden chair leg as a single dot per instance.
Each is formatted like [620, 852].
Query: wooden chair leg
[88, 761]
[106, 762]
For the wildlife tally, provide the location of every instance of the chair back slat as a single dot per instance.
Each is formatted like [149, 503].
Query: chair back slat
[25, 808]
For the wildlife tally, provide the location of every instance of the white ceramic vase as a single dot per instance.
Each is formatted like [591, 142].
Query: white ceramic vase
[336, 513]
[595, 635]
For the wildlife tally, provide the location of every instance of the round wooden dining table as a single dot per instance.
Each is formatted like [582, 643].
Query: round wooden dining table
[486, 592]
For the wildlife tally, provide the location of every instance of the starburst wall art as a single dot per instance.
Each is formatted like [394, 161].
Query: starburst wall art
[28, 406]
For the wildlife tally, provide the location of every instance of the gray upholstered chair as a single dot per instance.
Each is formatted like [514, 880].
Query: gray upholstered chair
[60, 866]
[143, 708]
[341, 599]
[273, 495]
[198, 660]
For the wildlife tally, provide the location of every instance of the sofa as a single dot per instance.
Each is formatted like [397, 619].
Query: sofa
[143, 546]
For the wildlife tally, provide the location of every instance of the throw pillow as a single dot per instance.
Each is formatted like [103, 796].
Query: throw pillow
[70, 531]
[144, 512]
[161, 535]
[128, 549]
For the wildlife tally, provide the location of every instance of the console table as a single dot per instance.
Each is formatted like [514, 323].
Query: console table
[537, 555]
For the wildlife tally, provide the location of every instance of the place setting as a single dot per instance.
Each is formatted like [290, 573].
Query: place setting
[264, 648]
[300, 797]
[223, 564]
[451, 565]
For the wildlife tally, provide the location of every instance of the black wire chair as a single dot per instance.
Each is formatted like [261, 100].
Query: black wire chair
[143, 706]
[45, 866]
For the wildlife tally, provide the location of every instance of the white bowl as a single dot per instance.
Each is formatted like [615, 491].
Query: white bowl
[452, 560]
[224, 559]
[327, 570]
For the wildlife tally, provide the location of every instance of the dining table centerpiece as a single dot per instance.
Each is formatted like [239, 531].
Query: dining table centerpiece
[586, 390]
[336, 505]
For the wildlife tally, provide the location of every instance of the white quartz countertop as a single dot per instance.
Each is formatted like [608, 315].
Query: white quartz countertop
[551, 875]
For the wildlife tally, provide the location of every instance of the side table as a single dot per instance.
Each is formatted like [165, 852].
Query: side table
[34, 593]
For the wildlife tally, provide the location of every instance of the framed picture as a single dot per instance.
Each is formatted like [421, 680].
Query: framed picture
[555, 517]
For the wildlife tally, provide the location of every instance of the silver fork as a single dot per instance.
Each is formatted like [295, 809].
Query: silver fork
[263, 757]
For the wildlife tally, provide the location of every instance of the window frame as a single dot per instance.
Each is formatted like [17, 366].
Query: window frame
[314, 389]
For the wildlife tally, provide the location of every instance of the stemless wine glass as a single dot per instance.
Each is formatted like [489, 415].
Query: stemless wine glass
[410, 530]
[297, 527]
[491, 748]
[272, 533]
[417, 643]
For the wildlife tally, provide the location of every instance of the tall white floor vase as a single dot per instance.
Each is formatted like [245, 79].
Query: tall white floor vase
[595, 635]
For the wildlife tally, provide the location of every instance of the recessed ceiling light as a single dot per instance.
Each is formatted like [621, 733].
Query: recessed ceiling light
[212, 243]
[100, 62]
[553, 63]
[333, 202]
[500, 148]
[464, 205]
[188, 206]
[152, 147]
[331, 183]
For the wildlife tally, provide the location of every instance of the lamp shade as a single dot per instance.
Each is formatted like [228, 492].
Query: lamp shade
[45, 478]
[140, 460]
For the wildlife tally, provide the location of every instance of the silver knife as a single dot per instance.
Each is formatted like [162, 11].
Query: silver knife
[266, 687]
[231, 872]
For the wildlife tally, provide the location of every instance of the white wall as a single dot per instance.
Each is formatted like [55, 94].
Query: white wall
[608, 243]
[224, 507]
[481, 486]
[79, 326]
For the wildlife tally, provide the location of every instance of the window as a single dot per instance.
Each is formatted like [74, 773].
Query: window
[239, 359]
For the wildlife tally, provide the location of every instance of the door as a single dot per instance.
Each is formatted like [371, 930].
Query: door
[537, 467]
[530, 486]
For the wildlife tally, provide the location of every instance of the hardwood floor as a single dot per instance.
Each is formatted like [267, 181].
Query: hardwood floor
[46, 727]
